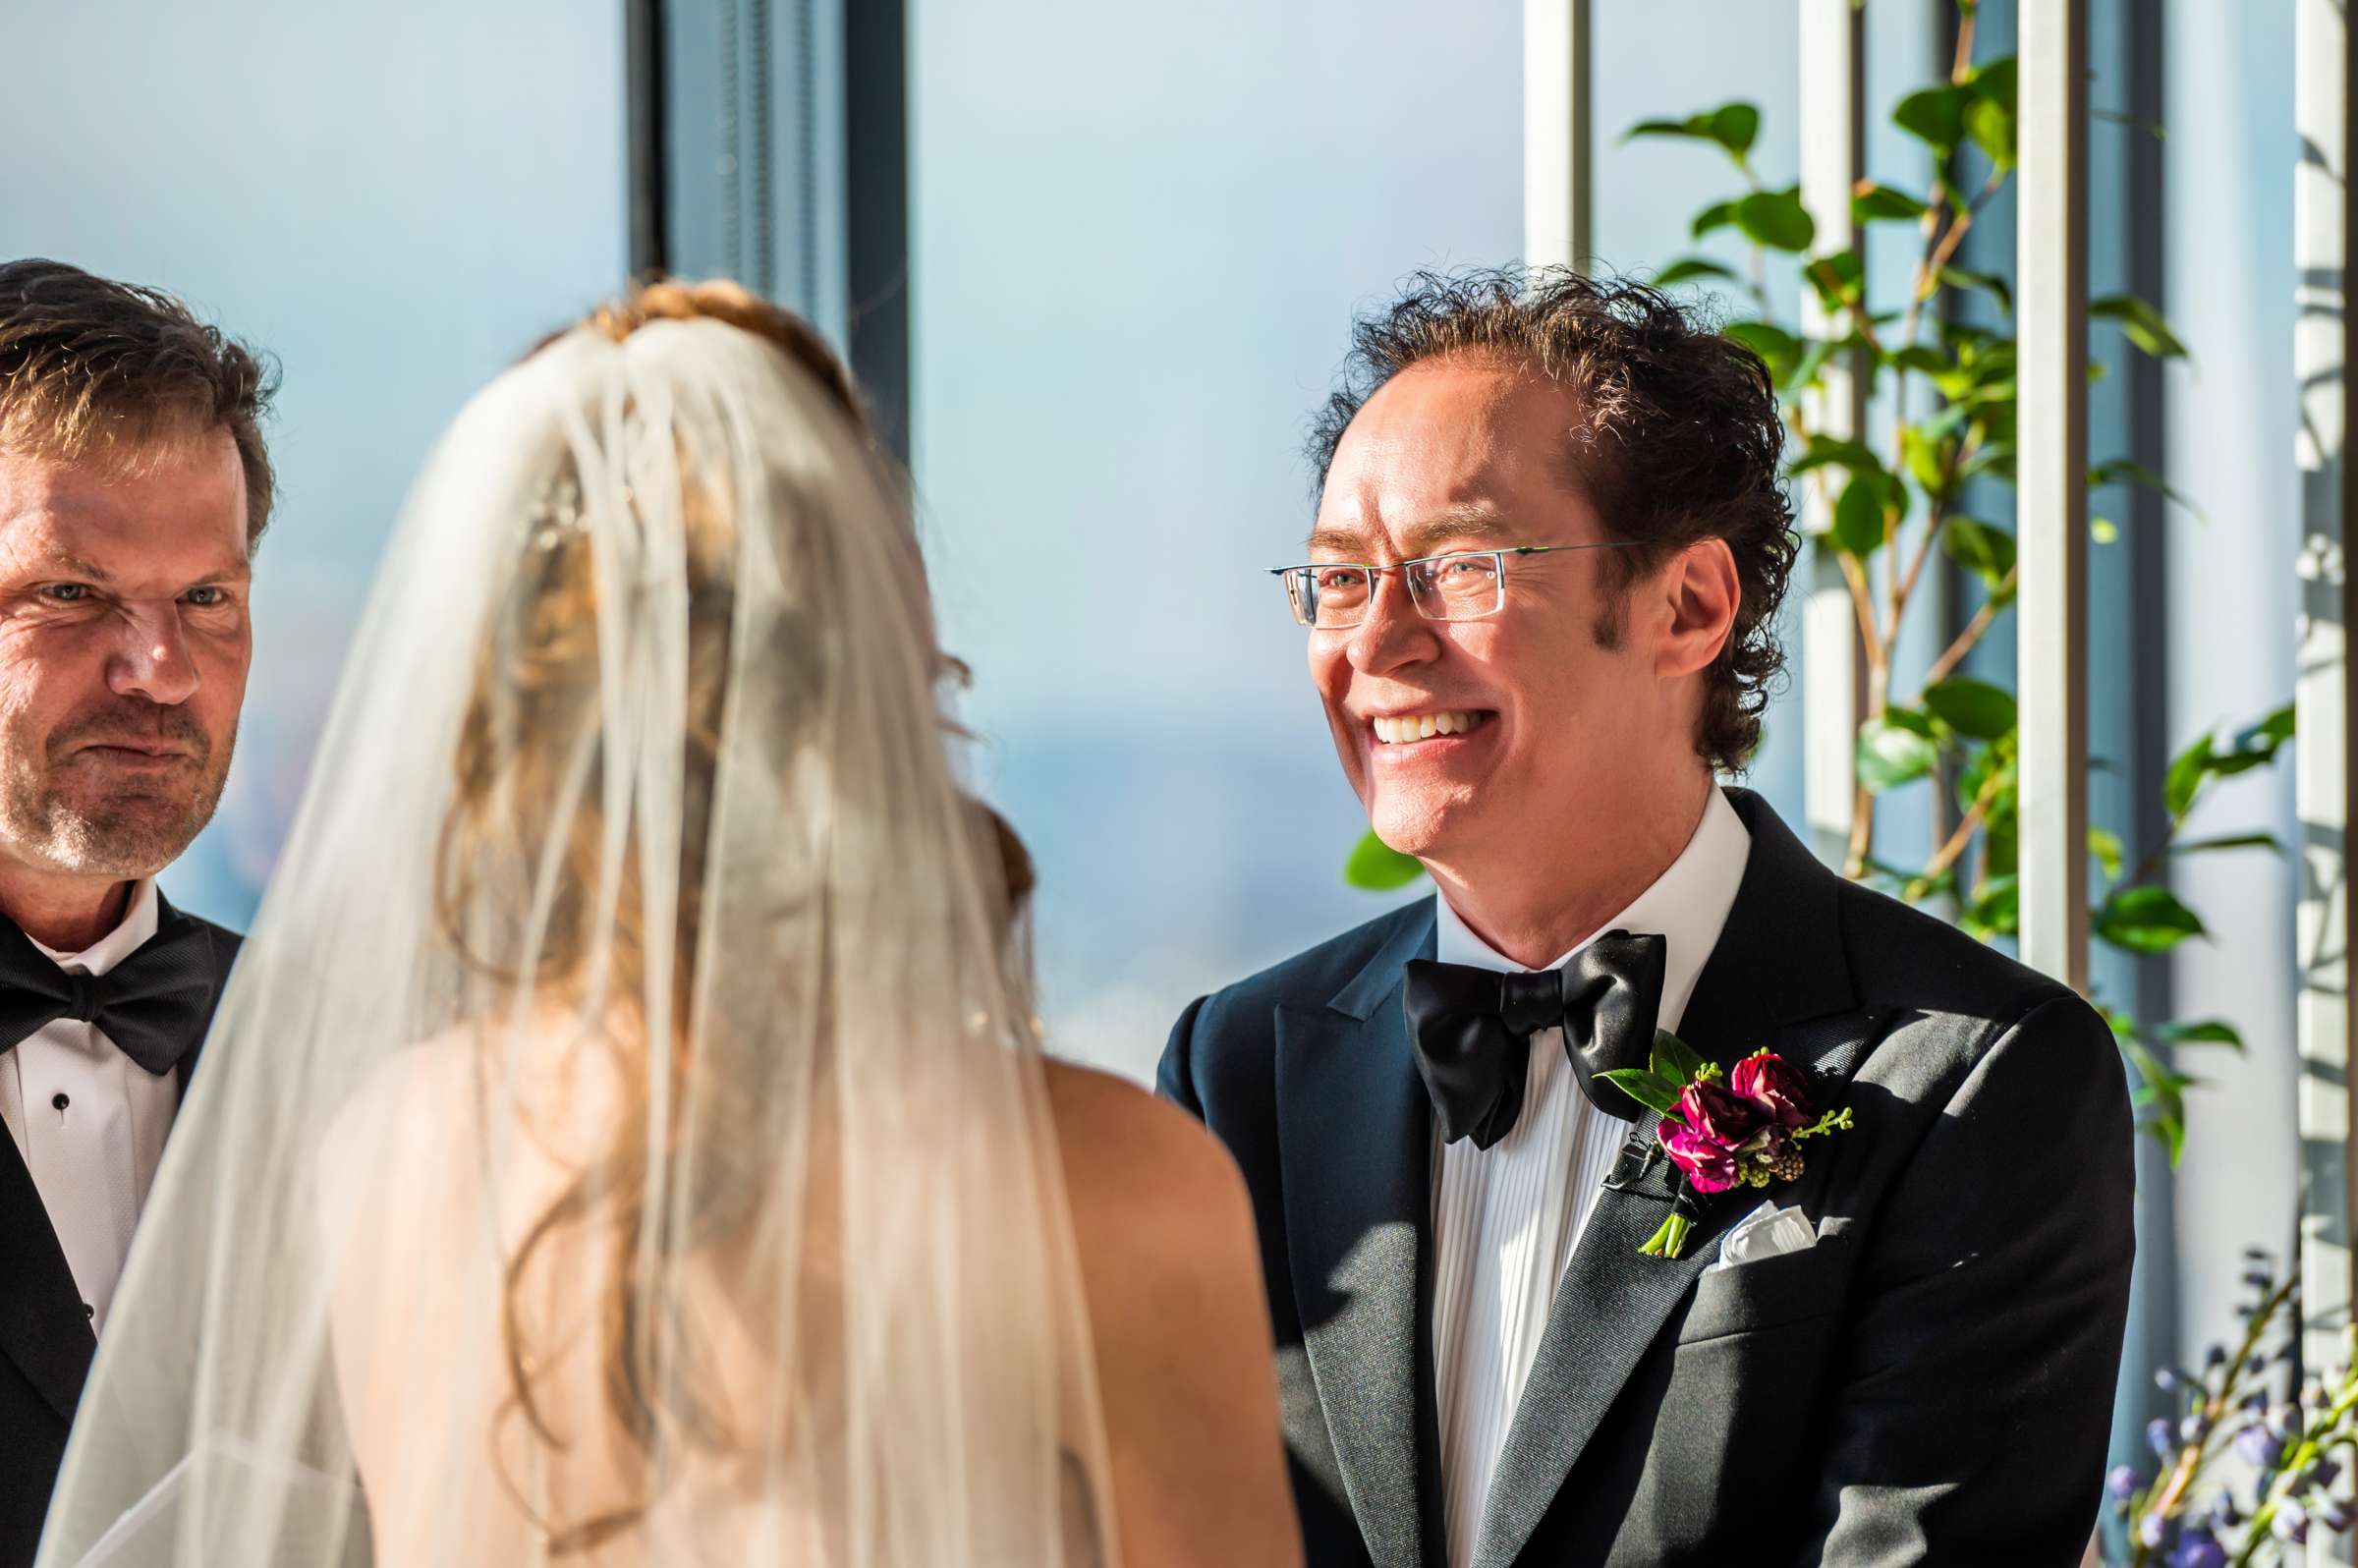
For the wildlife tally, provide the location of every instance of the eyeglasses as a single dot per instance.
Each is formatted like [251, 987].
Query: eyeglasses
[1462, 586]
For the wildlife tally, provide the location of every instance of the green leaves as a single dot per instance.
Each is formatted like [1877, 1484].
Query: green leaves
[1734, 127]
[1873, 203]
[1922, 357]
[1989, 113]
[1971, 708]
[1855, 455]
[2187, 771]
[1378, 867]
[1718, 215]
[1927, 459]
[1857, 527]
[2107, 848]
[2147, 920]
[2141, 324]
[1658, 1085]
[2229, 841]
[1839, 280]
[1935, 116]
[1688, 268]
[1984, 551]
[1776, 219]
[2122, 471]
[1778, 349]
[2161, 1093]
[2254, 746]
[1995, 908]
[2208, 1032]
[1674, 1058]
[1981, 108]
[1988, 283]
[1896, 749]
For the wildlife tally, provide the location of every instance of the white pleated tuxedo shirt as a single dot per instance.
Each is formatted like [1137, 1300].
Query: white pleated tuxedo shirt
[1506, 1219]
[89, 1121]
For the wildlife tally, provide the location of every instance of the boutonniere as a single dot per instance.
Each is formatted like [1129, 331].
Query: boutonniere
[1739, 1129]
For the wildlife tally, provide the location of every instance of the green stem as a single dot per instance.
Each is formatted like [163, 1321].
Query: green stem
[1667, 1241]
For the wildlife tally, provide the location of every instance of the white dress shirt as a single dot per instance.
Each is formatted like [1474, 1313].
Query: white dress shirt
[1506, 1219]
[89, 1121]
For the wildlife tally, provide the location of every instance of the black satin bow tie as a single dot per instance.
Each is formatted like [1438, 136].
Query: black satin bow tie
[154, 1005]
[1470, 1030]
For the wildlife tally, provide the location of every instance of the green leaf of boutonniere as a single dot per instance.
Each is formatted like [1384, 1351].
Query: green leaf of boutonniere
[1674, 1058]
[1650, 1089]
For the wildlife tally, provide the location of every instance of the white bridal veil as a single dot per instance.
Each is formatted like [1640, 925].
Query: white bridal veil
[623, 1139]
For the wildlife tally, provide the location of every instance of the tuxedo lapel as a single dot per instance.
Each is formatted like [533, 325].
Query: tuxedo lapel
[224, 945]
[44, 1329]
[1355, 1149]
[1777, 977]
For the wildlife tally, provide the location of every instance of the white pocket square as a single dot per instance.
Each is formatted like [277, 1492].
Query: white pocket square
[1767, 1232]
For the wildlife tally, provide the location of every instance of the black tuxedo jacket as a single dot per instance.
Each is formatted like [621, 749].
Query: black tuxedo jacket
[45, 1338]
[1931, 1381]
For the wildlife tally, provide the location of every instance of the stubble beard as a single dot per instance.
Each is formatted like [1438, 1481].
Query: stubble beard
[134, 830]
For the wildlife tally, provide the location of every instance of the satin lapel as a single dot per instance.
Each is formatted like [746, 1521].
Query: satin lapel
[225, 945]
[42, 1326]
[1355, 1149]
[1779, 963]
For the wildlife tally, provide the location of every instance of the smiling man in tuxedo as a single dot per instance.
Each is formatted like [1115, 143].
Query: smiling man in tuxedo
[1550, 541]
[134, 483]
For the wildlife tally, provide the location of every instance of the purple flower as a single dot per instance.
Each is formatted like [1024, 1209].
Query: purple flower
[2121, 1482]
[2198, 1548]
[1721, 1115]
[2292, 1521]
[2161, 1435]
[2260, 1447]
[1775, 1084]
[1711, 1166]
[2153, 1530]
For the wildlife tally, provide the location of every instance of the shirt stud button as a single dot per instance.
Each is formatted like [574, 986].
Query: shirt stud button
[59, 1102]
[90, 1312]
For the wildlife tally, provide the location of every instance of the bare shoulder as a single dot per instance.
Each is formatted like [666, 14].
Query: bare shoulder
[1171, 1270]
[1129, 1155]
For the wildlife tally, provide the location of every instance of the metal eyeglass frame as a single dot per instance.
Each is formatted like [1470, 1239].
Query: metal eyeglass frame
[1305, 614]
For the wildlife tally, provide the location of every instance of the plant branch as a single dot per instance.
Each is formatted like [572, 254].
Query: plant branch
[1983, 619]
[2171, 1499]
[1936, 519]
[1951, 851]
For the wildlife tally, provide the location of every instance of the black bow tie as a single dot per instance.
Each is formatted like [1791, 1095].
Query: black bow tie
[154, 1005]
[1470, 1030]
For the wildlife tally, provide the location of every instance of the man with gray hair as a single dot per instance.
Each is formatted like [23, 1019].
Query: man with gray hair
[133, 484]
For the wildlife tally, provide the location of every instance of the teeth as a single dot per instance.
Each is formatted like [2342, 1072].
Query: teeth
[1422, 726]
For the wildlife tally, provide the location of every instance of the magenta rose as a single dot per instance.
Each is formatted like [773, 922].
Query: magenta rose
[1721, 1115]
[1775, 1084]
[1710, 1167]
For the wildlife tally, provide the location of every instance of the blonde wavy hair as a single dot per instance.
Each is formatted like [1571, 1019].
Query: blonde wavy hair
[536, 694]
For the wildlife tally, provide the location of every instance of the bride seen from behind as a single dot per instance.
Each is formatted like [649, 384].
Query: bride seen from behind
[626, 1138]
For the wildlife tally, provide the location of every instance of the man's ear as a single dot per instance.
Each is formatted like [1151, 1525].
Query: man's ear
[1704, 595]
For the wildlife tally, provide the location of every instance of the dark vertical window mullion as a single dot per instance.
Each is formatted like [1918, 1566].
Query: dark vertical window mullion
[645, 154]
[876, 220]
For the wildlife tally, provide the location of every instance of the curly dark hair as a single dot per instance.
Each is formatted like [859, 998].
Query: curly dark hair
[1679, 439]
[95, 370]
